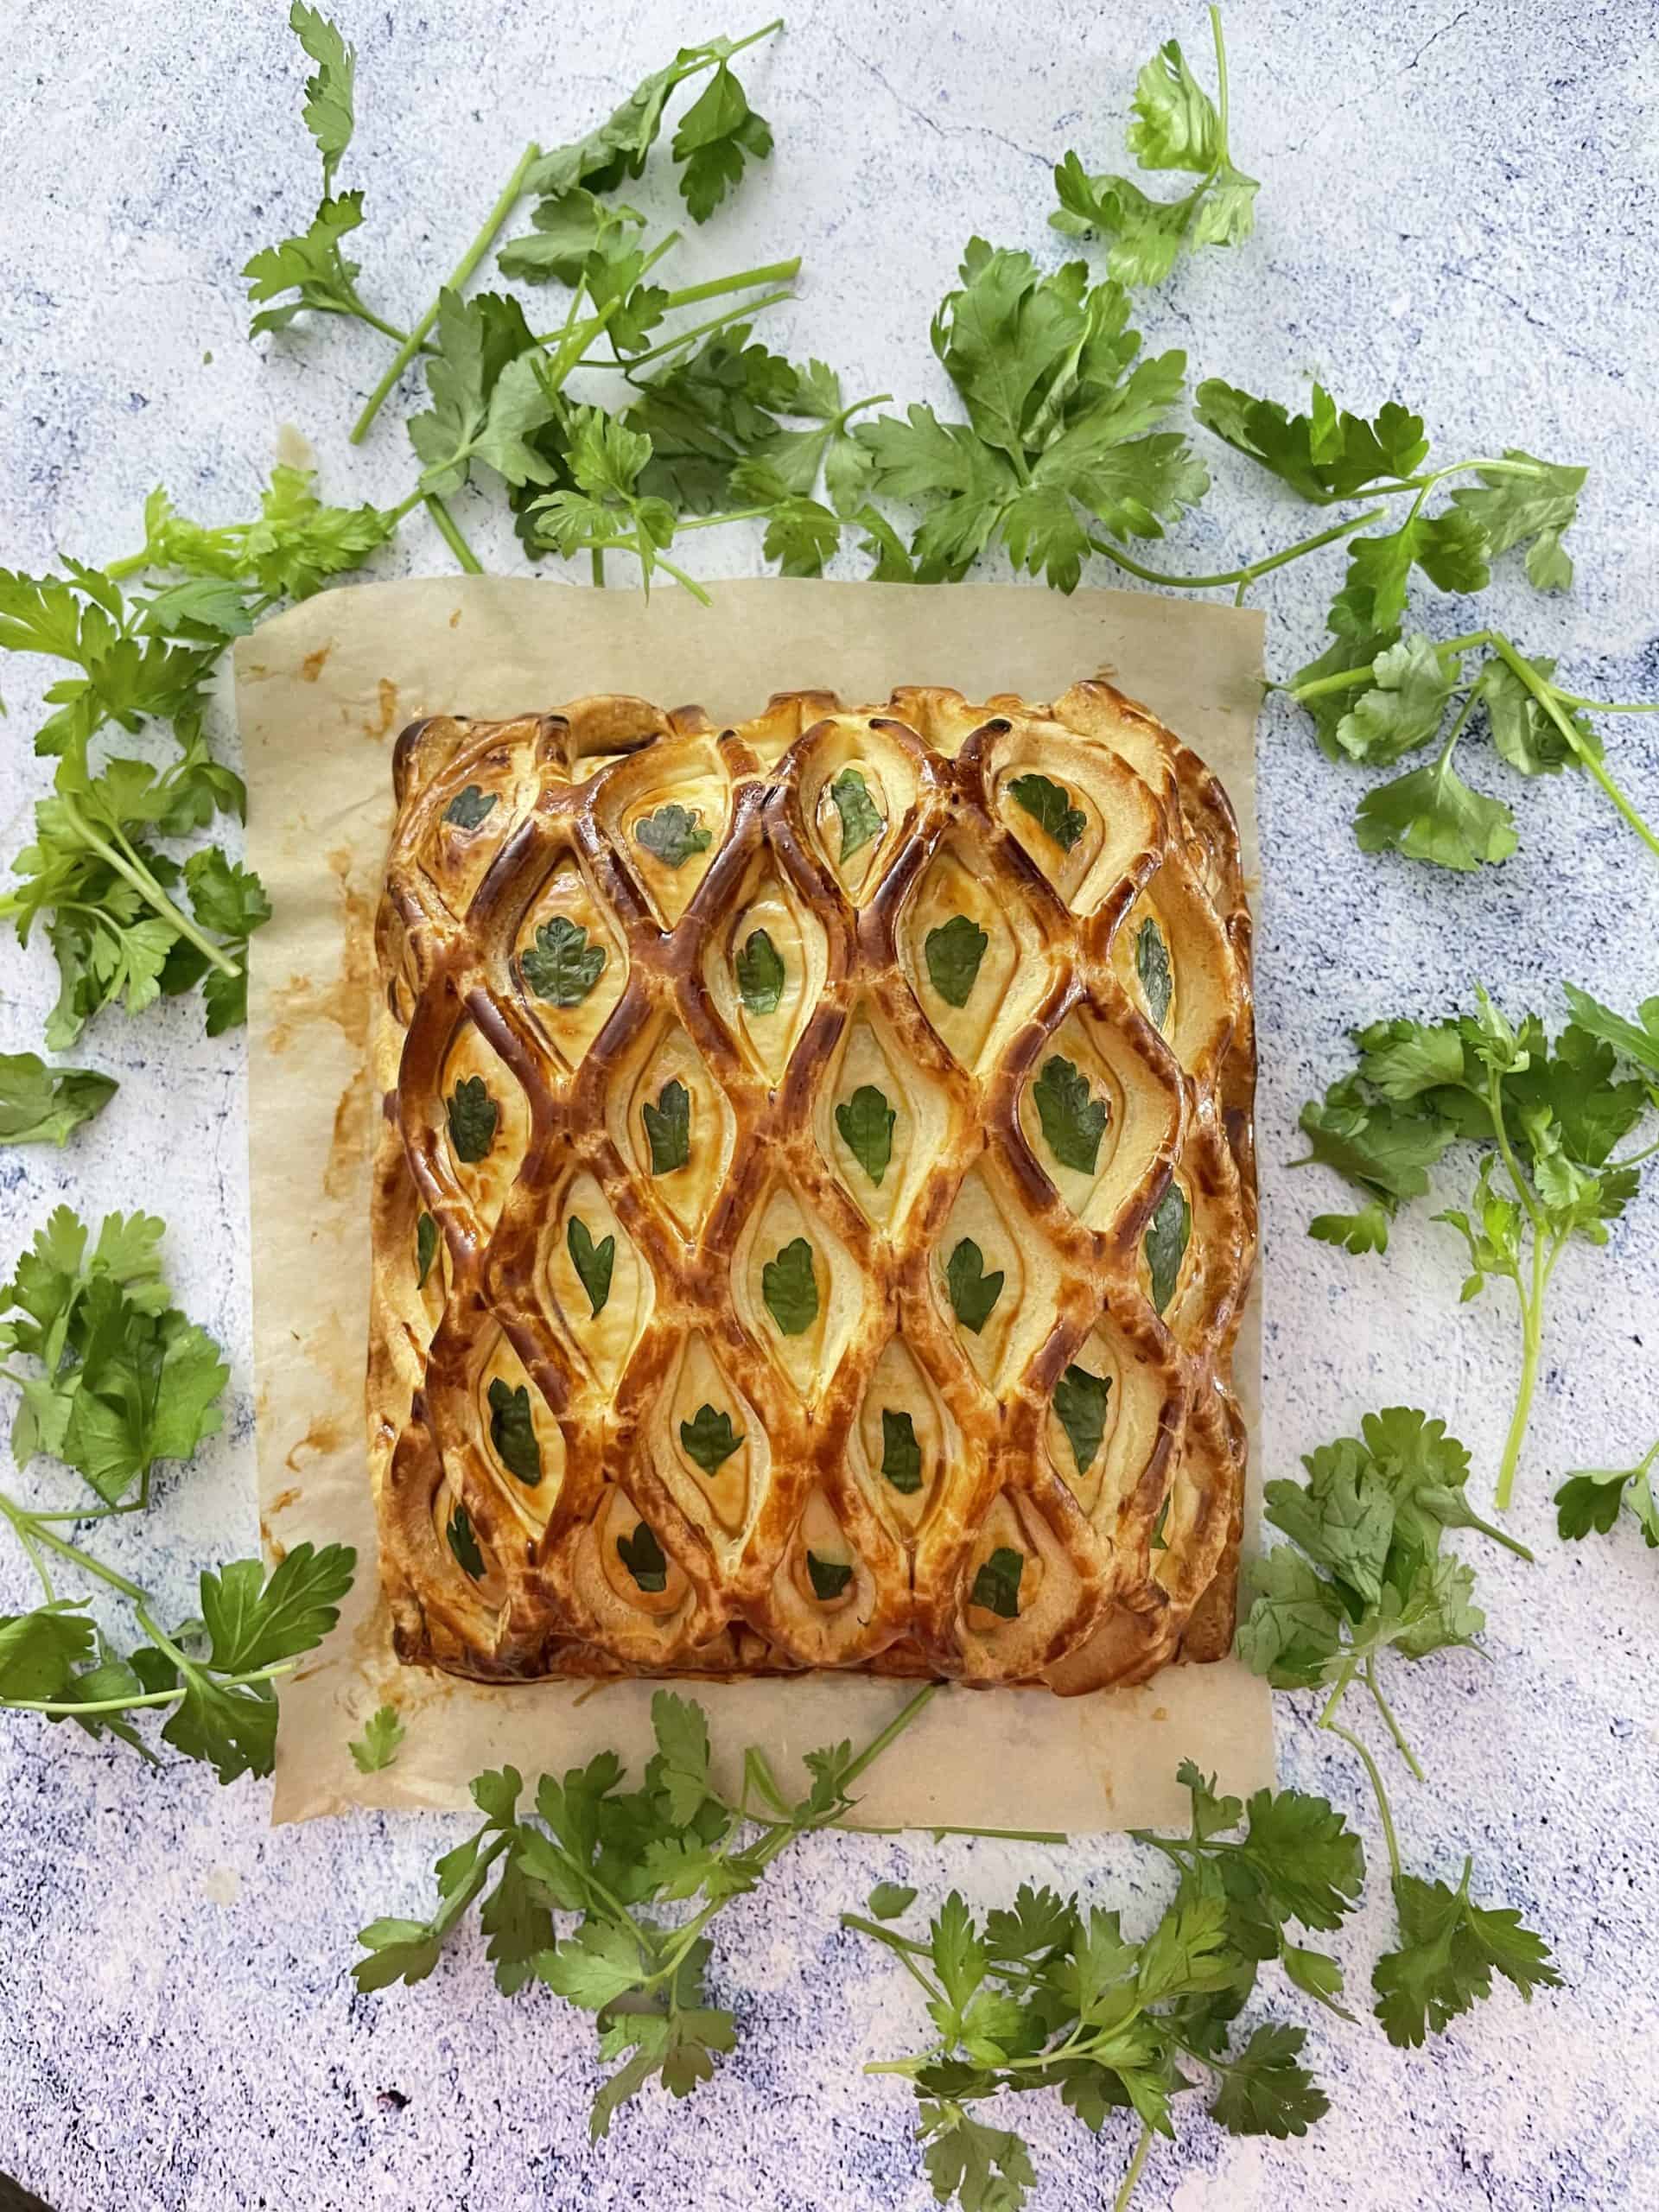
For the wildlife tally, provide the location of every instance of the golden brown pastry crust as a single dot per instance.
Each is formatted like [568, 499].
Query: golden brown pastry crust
[515, 841]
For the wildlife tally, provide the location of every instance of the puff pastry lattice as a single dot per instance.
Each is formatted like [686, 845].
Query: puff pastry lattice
[814, 1196]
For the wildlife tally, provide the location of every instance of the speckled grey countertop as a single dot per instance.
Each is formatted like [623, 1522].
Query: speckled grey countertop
[1458, 211]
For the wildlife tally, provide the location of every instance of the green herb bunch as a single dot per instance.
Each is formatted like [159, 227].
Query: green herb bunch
[1369, 1574]
[1047, 1995]
[1549, 1118]
[116, 1380]
[643, 1871]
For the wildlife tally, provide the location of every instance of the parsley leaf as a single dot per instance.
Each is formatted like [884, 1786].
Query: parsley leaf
[1325, 454]
[1405, 710]
[860, 821]
[646, 1561]
[708, 1438]
[1177, 126]
[996, 1585]
[379, 1746]
[1049, 805]
[562, 966]
[760, 970]
[464, 1543]
[865, 1122]
[672, 835]
[790, 1287]
[973, 1293]
[953, 952]
[593, 1263]
[470, 807]
[1073, 1121]
[1548, 1118]
[43, 1105]
[1165, 1242]
[1152, 966]
[1531, 503]
[1055, 425]
[1356, 1233]
[1591, 1498]
[901, 1453]
[1080, 1401]
[426, 1248]
[716, 135]
[472, 1117]
[128, 1380]
[668, 1127]
[1433, 815]
[329, 111]
[512, 1431]
[829, 1577]
[1450, 1950]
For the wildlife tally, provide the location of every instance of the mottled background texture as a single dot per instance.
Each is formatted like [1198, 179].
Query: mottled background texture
[1459, 210]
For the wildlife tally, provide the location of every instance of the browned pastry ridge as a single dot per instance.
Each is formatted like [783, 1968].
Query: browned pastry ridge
[814, 1196]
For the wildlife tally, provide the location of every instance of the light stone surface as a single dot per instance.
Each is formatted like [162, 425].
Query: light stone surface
[1459, 211]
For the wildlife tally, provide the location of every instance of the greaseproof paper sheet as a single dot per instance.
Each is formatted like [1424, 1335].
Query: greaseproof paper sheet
[322, 693]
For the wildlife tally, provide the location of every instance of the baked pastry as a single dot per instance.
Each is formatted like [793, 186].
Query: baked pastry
[814, 1196]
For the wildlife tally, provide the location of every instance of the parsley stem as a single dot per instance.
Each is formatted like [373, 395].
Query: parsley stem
[1246, 575]
[1588, 759]
[714, 288]
[1532, 1345]
[686, 337]
[59, 1709]
[27, 1525]
[480, 246]
[1120, 2202]
[1604, 706]
[133, 871]
[1362, 1751]
[450, 530]
[1369, 1672]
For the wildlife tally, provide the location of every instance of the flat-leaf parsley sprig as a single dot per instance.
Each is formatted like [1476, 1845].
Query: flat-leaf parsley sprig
[1177, 127]
[118, 1380]
[1369, 1574]
[1549, 1120]
[1048, 1995]
[625, 1862]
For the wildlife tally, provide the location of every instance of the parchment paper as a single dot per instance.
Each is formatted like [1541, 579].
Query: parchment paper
[321, 694]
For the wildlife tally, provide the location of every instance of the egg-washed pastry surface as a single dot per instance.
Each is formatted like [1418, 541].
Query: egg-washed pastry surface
[814, 1196]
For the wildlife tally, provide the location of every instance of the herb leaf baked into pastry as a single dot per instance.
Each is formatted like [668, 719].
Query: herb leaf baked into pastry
[814, 1196]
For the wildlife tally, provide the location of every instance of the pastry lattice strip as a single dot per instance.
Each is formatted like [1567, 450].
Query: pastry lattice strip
[814, 1198]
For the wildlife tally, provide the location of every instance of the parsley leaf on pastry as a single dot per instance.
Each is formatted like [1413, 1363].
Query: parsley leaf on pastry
[1080, 1402]
[470, 807]
[1049, 805]
[593, 1263]
[708, 1438]
[644, 1558]
[472, 1117]
[1165, 1243]
[426, 1248]
[672, 835]
[668, 1127]
[464, 1544]
[901, 1453]
[562, 967]
[973, 1293]
[1073, 1121]
[865, 1122]
[953, 952]
[790, 1287]
[1152, 966]
[759, 969]
[860, 820]
[512, 1431]
[829, 1577]
[996, 1586]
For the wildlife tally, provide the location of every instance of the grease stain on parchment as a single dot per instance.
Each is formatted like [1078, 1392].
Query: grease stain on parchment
[324, 1435]
[345, 1002]
[312, 666]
